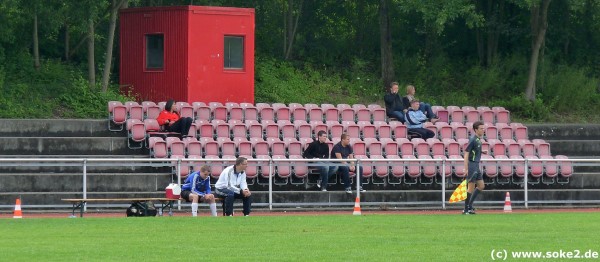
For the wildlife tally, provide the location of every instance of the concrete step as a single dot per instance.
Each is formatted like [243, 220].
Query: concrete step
[575, 147]
[67, 146]
[57, 128]
[73, 182]
[564, 131]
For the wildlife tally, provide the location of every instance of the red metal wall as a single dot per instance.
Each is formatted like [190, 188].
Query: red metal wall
[193, 53]
[208, 80]
[156, 85]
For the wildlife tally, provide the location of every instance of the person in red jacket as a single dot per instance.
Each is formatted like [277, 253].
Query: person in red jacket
[170, 120]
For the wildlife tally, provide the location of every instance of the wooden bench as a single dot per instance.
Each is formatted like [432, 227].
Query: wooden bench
[78, 203]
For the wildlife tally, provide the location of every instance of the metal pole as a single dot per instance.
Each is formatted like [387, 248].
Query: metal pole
[443, 184]
[179, 180]
[85, 184]
[358, 179]
[525, 183]
[271, 184]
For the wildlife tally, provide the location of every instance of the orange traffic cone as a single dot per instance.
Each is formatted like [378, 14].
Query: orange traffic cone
[18, 213]
[356, 207]
[507, 205]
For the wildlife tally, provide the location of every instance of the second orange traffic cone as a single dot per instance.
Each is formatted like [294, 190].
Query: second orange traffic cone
[18, 213]
[356, 207]
[507, 205]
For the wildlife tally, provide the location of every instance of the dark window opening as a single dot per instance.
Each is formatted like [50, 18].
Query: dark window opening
[234, 52]
[155, 50]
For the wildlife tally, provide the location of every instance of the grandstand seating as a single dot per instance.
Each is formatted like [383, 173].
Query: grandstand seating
[280, 131]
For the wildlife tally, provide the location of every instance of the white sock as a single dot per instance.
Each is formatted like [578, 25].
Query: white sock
[213, 209]
[194, 209]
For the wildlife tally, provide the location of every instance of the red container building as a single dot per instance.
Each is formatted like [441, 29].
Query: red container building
[188, 53]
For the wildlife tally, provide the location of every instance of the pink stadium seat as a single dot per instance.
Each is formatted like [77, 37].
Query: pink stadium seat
[399, 129]
[457, 164]
[259, 146]
[193, 147]
[542, 147]
[413, 168]
[566, 167]
[377, 114]
[380, 169]
[254, 130]
[303, 129]
[352, 130]
[270, 128]
[502, 115]
[175, 146]
[238, 130]
[211, 148]
[214, 104]
[383, 130]
[496, 147]
[452, 147]
[216, 166]
[184, 171]
[429, 168]
[463, 143]
[283, 113]
[489, 165]
[367, 129]
[512, 147]
[250, 113]
[374, 147]
[505, 167]
[235, 112]
[442, 113]
[406, 147]
[151, 110]
[390, 148]
[421, 147]
[359, 147]
[536, 167]
[315, 114]
[203, 113]
[287, 129]
[397, 168]
[263, 163]
[136, 132]
[347, 114]
[277, 147]
[332, 114]
[487, 115]
[227, 147]
[459, 131]
[448, 168]
[284, 168]
[519, 164]
[367, 166]
[527, 147]
[363, 114]
[491, 132]
[222, 130]
[456, 114]
[519, 131]
[158, 147]
[244, 147]
[436, 146]
[300, 169]
[299, 113]
[444, 130]
[266, 113]
[294, 148]
[471, 114]
[252, 169]
[117, 115]
[206, 130]
[551, 166]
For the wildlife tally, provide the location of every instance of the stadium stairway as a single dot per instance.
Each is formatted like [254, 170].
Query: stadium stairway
[42, 187]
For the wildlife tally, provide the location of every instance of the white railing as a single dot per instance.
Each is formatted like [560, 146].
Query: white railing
[87, 162]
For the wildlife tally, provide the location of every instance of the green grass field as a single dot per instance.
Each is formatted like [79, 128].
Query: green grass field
[391, 237]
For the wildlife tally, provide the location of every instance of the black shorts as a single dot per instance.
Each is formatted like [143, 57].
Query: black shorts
[474, 172]
[185, 194]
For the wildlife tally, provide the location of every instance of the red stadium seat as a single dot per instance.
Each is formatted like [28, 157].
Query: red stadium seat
[117, 115]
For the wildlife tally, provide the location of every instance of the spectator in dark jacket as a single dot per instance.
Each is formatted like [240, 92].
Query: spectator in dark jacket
[319, 149]
[393, 103]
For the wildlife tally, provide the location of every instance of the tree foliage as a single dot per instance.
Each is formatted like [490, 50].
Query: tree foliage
[454, 51]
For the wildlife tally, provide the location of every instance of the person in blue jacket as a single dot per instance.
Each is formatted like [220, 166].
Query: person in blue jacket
[197, 188]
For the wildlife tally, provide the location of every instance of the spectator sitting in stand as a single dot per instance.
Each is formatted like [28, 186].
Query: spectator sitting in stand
[415, 119]
[393, 103]
[171, 122]
[424, 107]
[319, 149]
